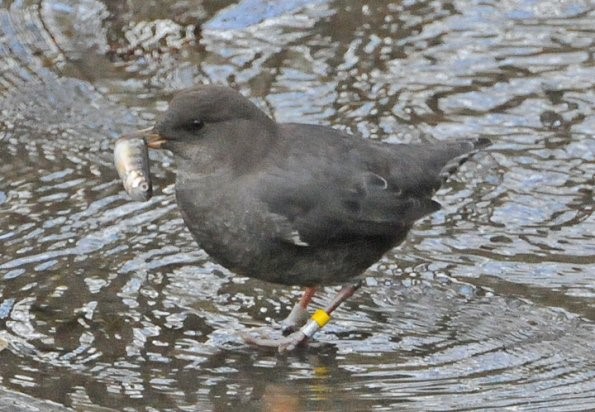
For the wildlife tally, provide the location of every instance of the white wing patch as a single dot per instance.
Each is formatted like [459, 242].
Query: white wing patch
[286, 231]
[296, 240]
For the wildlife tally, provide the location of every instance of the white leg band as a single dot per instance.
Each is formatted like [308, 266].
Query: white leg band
[310, 328]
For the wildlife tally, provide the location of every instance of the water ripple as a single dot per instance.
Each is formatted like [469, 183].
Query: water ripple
[489, 304]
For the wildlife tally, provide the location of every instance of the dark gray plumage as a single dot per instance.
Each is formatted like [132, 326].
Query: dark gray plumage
[292, 203]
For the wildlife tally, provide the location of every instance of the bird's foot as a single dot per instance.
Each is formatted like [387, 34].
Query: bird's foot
[292, 341]
[299, 315]
[289, 327]
[296, 318]
[282, 344]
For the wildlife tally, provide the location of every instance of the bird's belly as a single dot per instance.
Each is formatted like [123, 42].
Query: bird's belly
[271, 260]
[241, 239]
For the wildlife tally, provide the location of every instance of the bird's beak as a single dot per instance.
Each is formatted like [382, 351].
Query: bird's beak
[154, 140]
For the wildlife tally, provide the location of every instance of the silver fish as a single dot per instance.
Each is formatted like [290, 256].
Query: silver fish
[132, 163]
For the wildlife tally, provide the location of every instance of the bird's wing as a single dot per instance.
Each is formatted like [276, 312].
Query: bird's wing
[319, 208]
[336, 187]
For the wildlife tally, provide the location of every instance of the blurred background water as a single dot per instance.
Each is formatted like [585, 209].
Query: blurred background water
[108, 304]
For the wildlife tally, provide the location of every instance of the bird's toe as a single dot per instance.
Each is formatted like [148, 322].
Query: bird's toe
[265, 340]
[292, 341]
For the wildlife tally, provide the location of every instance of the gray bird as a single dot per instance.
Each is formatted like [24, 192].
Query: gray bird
[294, 204]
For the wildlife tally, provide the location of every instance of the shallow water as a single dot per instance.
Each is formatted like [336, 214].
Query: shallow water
[490, 303]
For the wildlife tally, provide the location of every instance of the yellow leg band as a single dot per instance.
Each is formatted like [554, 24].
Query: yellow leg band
[321, 317]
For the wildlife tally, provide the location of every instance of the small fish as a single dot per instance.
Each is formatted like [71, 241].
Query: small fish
[132, 163]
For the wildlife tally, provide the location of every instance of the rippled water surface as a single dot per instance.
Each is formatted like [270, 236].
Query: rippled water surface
[105, 302]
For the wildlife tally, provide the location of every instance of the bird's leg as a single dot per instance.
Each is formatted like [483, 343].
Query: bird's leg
[299, 314]
[342, 296]
[317, 321]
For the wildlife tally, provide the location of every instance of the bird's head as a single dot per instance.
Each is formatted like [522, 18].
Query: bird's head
[208, 116]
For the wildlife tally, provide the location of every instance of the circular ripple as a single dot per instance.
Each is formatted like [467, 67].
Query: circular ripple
[109, 303]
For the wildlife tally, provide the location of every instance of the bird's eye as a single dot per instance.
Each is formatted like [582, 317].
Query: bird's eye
[195, 125]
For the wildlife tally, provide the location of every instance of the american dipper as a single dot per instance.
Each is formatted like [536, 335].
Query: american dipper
[294, 204]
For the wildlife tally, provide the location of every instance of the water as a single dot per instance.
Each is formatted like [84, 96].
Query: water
[107, 303]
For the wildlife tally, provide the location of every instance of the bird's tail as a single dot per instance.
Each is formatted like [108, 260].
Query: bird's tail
[463, 151]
